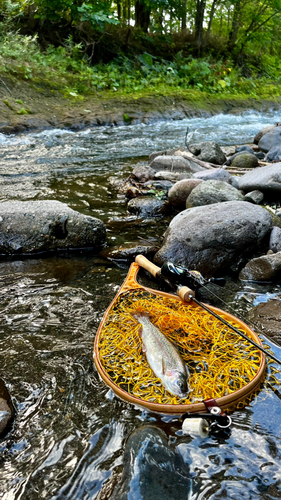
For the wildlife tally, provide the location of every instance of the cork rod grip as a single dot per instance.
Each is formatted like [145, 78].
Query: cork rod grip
[185, 293]
[146, 264]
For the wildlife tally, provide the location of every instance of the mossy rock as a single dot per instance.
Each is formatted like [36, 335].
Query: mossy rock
[246, 160]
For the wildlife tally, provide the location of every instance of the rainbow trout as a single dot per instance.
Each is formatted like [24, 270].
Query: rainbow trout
[163, 358]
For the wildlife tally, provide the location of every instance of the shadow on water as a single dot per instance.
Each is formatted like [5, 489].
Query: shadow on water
[71, 434]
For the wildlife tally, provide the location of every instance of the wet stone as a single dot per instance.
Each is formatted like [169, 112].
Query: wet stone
[264, 268]
[275, 239]
[152, 469]
[159, 185]
[130, 251]
[143, 173]
[267, 319]
[6, 408]
[41, 226]
[148, 206]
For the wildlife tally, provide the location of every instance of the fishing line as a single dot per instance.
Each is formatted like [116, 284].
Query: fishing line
[217, 316]
[235, 329]
[227, 306]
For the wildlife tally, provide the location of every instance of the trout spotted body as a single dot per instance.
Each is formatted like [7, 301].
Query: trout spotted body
[163, 358]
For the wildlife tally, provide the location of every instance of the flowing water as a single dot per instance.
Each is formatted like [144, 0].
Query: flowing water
[70, 430]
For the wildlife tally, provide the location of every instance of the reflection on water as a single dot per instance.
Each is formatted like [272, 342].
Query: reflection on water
[70, 430]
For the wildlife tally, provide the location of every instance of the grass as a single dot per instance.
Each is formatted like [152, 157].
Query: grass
[63, 69]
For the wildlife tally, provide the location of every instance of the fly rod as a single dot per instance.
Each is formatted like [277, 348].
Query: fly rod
[187, 295]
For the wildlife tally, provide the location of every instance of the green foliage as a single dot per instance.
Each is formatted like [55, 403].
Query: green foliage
[64, 68]
[97, 17]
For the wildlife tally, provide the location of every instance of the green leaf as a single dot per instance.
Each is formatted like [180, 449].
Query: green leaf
[222, 83]
[146, 59]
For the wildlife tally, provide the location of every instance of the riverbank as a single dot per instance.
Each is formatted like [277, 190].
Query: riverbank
[25, 106]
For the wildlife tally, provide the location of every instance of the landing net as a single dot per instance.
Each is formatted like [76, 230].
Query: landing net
[219, 361]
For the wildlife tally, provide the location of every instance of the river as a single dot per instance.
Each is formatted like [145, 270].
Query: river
[70, 430]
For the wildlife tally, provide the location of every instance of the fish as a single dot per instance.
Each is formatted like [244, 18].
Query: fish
[163, 358]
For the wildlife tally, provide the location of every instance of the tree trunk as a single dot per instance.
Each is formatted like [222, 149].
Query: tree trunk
[119, 10]
[183, 17]
[129, 12]
[142, 15]
[235, 26]
[207, 36]
[199, 18]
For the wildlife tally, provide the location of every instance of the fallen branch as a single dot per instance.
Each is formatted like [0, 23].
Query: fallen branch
[189, 156]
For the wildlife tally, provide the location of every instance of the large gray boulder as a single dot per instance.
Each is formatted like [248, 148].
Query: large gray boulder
[153, 470]
[213, 191]
[175, 164]
[41, 226]
[270, 140]
[264, 179]
[214, 237]
[208, 151]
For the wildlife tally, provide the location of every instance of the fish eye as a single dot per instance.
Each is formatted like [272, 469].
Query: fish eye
[181, 383]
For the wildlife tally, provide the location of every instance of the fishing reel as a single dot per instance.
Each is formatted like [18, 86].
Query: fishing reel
[181, 276]
[215, 422]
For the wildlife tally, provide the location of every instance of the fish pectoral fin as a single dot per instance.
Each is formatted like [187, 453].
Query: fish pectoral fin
[163, 366]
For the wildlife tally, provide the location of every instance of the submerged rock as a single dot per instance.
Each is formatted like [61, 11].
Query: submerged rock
[143, 173]
[148, 206]
[6, 408]
[264, 268]
[267, 319]
[152, 470]
[213, 191]
[214, 237]
[41, 226]
[129, 251]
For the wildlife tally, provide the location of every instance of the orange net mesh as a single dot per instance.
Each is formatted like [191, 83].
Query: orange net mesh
[219, 361]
